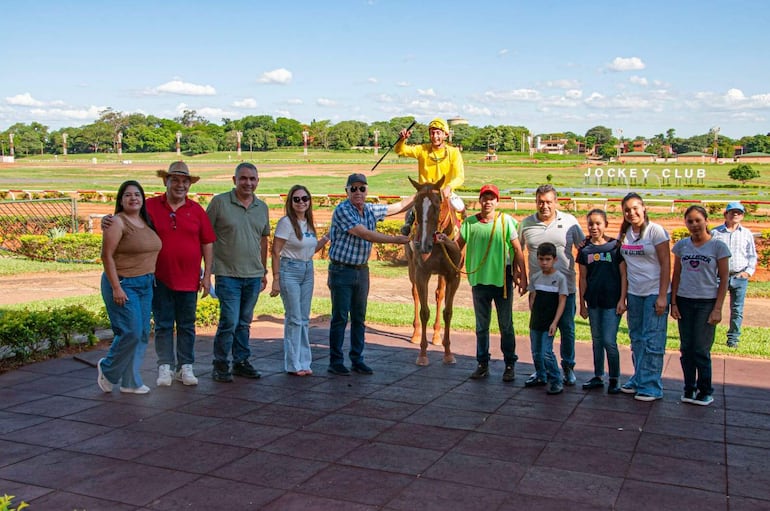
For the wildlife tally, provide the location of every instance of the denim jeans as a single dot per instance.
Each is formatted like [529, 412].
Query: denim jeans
[131, 326]
[566, 328]
[170, 308]
[647, 331]
[737, 289]
[697, 337]
[296, 292]
[237, 299]
[542, 354]
[483, 296]
[349, 291]
[604, 335]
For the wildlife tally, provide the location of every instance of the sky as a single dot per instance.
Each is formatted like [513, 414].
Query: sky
[638, 68]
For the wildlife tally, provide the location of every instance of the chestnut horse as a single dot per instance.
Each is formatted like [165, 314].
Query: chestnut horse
[433, 214]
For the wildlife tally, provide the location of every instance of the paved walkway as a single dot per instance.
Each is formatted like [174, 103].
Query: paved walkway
[405, 438]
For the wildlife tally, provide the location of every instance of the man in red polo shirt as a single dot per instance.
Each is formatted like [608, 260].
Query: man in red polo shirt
[187, 236]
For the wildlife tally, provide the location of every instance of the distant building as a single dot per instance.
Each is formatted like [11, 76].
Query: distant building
[457, 121]
[551, 145]
[638, 157]
[694, 157]
[753, 158]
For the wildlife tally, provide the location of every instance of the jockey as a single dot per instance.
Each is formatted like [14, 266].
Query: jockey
[434, 160]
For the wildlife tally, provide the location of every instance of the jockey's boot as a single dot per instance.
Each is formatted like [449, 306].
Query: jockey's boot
[406, 229]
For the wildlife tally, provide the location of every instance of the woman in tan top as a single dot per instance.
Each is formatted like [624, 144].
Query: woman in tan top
[129, 251]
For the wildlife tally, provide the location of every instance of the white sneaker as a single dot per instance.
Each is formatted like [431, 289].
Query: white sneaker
[144, 389]
[164, 376]
[101, 380]
[186, 375]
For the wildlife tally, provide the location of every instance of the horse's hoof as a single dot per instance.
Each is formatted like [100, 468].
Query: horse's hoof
[437, 342]
[416, 340]
[422, 360]
[449, 359]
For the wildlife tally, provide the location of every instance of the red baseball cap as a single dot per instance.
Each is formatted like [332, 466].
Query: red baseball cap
[490, 189]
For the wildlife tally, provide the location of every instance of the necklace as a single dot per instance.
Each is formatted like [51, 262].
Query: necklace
[438, 159]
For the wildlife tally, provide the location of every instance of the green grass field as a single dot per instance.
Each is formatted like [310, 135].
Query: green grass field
[325, 172]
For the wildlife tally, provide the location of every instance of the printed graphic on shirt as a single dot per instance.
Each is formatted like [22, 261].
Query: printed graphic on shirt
[629, 249]
[693, 262]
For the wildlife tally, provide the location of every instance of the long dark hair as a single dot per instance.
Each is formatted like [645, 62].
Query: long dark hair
[293, 216]
[626, 224]
[143, 211]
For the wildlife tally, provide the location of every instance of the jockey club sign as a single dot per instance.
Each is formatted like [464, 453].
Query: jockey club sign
[632, 174]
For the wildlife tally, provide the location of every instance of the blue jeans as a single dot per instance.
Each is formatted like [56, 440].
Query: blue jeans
[697, 337]
[542, 354]
[737, 288]
[171, 307]
[566, 328]
[131, 326]
[296, 292]
[349, 291]
[604, 335]
[647, 331]
[483, 296]
[237, 299]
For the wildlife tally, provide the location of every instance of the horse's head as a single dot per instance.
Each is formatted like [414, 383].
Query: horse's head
[427, 209]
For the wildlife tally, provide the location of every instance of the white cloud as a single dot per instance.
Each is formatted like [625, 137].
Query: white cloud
[513, 95]
[573, 94]
[502, 52]
[215, 114]
[279, 76]
[295, 101]
[638, 80]
[77, 114]
[384, 98]
[402, 84]
[476, 110]
[325, 102]
[372, 80]
[25, 99]
[245, 103]
[426, 92]
[181, 88]
[563, 84]
[626, 64]
[283, 113]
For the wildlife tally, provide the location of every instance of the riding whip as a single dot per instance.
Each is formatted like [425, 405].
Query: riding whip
[391, 147]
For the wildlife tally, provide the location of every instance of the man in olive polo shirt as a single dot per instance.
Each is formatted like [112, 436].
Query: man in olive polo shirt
[242, 226]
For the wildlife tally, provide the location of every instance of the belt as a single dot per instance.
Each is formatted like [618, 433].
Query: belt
[353, 266]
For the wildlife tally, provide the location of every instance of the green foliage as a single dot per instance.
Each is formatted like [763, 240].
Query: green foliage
[679, 233]
[78, 247]
[207, 312]
[25, 331]
[389, 251]
[743, 172]
[7, 500]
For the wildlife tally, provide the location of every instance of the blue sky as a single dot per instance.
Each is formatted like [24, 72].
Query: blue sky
[556, 66]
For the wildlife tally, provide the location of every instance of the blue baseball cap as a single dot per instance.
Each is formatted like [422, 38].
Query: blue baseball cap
[735, 205]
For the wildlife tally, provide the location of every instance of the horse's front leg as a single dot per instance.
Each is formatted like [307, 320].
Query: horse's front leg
[451, 289]
[416, 325]
[440, 292]
[421, 287]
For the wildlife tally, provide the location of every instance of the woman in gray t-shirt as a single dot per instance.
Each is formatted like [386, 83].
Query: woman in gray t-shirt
[698, 288]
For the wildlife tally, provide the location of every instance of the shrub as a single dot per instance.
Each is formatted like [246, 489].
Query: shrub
[78, 247]
[26, 333]
[207, 313]
[7, 500]
[390, 251]
[679, 233]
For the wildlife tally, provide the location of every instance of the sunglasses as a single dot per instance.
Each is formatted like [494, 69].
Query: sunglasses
[172, 216]
[297, 200]
[354, 189]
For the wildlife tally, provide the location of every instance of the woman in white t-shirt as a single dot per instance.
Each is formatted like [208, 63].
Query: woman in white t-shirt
[698, 287]
[645, 248]
[294, 244]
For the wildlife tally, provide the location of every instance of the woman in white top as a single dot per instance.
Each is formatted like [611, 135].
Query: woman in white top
[294, 244]
[645, 248]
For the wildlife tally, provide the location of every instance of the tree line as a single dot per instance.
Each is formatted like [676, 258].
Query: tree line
[139, 133]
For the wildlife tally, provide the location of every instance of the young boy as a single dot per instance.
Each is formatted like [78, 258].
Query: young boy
[547, 297]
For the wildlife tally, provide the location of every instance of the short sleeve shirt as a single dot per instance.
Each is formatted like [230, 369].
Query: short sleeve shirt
[348, 248]
[642, 264]
[602, 263]
[485, 259]
[700, 267]
[547, 289]
[294, 248]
